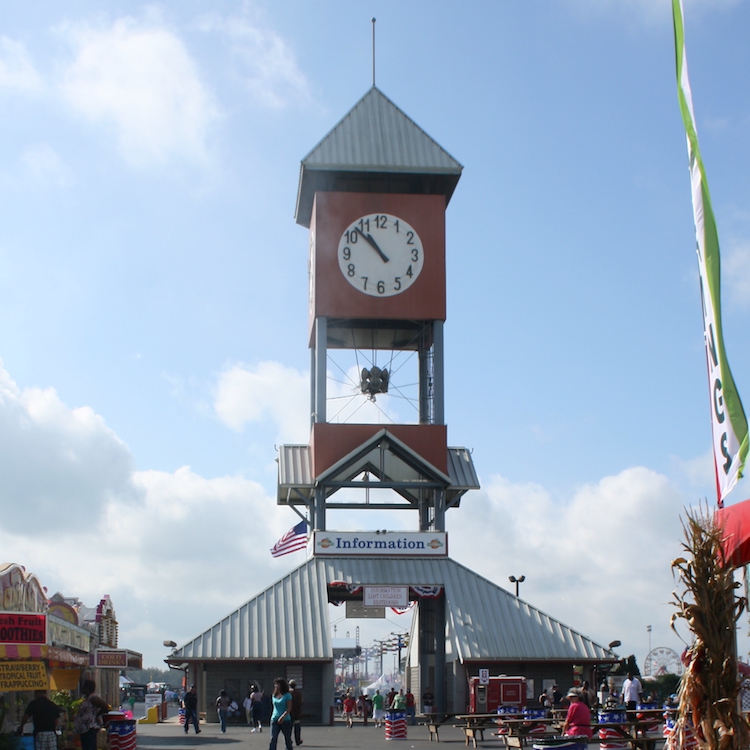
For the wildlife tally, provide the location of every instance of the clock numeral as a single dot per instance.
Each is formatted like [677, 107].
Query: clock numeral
[397, 224]
[415, 254]
[381, 222]
[381, 287]
[364, 279]
[364, 225]
[397, 283]
[409, 272]
[410, 237]
[350, 270]
[352, 236]
[347, 253]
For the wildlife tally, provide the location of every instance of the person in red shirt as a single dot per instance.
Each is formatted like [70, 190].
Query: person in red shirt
[411, 711]
[350, 706]
[578, 719]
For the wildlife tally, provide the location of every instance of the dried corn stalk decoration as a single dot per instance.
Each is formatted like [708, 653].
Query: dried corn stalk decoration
[708, 715]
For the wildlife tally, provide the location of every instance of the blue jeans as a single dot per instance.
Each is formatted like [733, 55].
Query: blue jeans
[191, 714]
[286, 728]
[411, 714]
[223, 719]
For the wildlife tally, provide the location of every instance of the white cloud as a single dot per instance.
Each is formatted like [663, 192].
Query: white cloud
[269, 391]
[178, 551]
[265, 63]
[16, 68]
[59, 464]
[599, 561]
[138, 78]
[79, 516]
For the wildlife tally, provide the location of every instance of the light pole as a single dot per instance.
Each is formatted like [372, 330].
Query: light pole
[648, 630]
[518, 581]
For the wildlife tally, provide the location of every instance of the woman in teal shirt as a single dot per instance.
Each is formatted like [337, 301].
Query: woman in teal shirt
[281, 719]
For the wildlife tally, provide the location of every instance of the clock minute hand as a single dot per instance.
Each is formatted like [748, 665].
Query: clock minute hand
[368, 238]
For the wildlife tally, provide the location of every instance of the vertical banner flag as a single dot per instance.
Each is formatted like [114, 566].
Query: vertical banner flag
[294, 539]
[729, 424]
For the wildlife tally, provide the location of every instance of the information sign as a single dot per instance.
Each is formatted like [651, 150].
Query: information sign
[386, 596]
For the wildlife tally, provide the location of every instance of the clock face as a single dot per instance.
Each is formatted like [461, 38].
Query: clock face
[380, 255]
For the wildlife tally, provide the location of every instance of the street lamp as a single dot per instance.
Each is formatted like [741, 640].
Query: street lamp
[518, 581]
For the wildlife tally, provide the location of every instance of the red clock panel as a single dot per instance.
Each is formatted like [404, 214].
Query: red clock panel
[377, 256]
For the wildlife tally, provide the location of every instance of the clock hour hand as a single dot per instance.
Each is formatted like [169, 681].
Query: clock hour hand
[368, 238]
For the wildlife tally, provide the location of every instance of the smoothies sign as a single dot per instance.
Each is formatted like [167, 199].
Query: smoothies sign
[22, 627]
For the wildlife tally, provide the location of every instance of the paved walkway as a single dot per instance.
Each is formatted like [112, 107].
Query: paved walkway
[170, 734]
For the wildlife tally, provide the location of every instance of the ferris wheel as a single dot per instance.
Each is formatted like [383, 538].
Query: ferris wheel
[661, 661]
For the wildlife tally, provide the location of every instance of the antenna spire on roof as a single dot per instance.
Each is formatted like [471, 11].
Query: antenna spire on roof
[373, 51]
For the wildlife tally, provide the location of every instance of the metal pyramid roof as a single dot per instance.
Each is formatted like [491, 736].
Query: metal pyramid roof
[374, 140]
[289, 620]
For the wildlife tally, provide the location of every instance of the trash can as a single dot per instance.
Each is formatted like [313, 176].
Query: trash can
[181, 713]
[121, 735]
[395, 725]
[610, 738]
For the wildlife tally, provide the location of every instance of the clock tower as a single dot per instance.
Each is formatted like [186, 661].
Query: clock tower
[373, 194]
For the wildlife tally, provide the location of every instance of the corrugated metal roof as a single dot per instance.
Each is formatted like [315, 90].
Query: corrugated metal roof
[290, 619]
[377, 136]
[373, 141]
[296, 482]
[461, 469]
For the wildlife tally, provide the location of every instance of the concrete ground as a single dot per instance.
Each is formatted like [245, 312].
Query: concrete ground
[170, 734]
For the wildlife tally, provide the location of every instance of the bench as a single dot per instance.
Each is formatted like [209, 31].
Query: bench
[472, 733]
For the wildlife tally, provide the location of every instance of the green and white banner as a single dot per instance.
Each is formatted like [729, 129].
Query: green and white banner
[729, 424]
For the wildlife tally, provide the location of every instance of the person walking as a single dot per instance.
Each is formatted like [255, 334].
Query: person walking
[350, 706]
[222, 708]
[631, 692]
[256, 696]
[399, 701]
[44, 713]
[281, 719]
[87, 721]
[247, 704]
[296, 711]
[411, 709]
[190, 704]
[378, 713]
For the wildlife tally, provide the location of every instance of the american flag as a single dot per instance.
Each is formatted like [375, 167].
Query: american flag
[294, 539]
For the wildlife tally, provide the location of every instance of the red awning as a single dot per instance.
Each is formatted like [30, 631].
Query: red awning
[735, 520]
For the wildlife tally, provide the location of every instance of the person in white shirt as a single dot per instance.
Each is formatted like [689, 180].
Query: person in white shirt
[631, 692]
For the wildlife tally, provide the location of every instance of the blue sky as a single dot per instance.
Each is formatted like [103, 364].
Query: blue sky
[153, 288]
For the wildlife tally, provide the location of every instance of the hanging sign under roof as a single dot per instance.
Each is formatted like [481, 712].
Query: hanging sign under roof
[386, 596]
[381, 543]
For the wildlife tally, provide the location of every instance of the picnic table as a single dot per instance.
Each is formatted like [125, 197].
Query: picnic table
[527, 729]
[636, 732]
[475, 724]
[434, 720]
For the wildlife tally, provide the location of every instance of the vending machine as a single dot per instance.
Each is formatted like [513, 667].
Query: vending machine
[486, 696]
